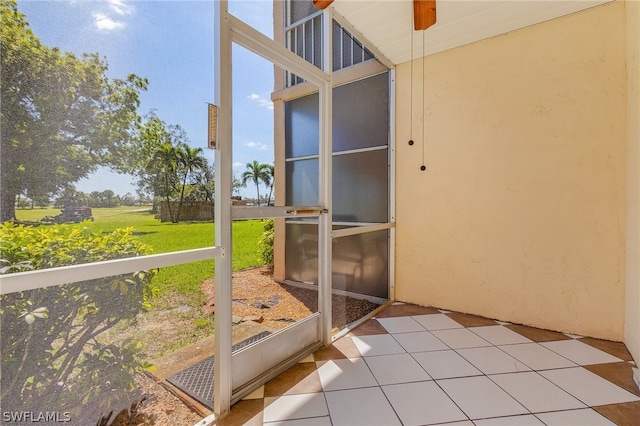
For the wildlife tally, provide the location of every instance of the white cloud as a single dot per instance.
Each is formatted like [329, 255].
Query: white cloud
[237, 165]
[261, 101]
[104, 23]
[110, 18]
[120, 7]
[257, 145]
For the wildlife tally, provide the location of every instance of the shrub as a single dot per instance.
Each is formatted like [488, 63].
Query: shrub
[52, 356]
[266, 243]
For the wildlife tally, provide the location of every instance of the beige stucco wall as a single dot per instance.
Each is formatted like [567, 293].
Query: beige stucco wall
[520, 214]
[632, 320]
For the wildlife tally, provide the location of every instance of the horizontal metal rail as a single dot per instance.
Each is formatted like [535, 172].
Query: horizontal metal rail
[303, 157]
[337, 153]
[259, 212]
[262, 45]
[355, 230]
[358, 150]
[41, 278]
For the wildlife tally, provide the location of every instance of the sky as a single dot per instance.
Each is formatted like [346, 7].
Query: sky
[171, 44]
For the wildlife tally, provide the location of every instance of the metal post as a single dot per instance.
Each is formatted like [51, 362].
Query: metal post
[392, 184]
[325, 220]
[223, 178]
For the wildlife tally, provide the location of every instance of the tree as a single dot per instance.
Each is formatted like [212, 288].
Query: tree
[70, 197]
[155, 163]
[164, 165]
[167, 165]
[256, 173]
[106, 198]
[61, 116]
[190, 160]
[236, 184]
[153, 134]
[203, 185]
[53, 354]
[41, 201]
[128, 199]
[272, 176]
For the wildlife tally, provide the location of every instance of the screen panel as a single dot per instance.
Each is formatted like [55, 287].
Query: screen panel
[360, 262]
[361, 187]
[301, 126]
[361, 114]
[302, 176]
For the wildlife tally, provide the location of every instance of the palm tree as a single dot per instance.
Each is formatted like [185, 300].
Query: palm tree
[189, 160]
[164, 162]
[256, 172]
[272, 176]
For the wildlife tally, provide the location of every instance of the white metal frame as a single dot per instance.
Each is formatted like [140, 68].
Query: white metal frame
[228, 377]
[392, 182]
[391, 224]
[325, 191]
[233, 372]
[42, 278]
[223, 183]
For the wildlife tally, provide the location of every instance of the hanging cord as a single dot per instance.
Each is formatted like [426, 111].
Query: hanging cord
[424, 95]
[411, 93]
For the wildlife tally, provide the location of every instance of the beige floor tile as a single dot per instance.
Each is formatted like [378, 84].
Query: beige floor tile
[370, 327]
[301, 378]
[469, 320]
[621, 414]
[537, 334]
[406, 310]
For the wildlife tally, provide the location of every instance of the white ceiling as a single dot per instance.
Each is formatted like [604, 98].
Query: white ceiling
[388, 24]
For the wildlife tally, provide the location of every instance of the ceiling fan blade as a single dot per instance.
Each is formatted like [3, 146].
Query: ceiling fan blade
[322, 4]
[424, 14]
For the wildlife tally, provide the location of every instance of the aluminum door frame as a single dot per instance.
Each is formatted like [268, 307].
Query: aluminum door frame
[236, 374]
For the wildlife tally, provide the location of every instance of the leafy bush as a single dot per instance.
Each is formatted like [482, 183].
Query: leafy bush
[52, 357]
[266, 243]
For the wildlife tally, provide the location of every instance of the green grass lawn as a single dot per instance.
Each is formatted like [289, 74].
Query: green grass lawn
[175, 287]
[167, 237]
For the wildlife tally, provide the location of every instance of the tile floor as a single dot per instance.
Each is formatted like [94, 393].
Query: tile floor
[423, 366]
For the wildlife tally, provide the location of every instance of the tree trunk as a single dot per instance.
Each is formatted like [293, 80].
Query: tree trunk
[270, 193]
[166, 184]
[184, 183]
[7, 206]
[170, 210]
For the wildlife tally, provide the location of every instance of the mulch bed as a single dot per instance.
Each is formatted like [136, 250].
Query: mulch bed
[257, 296]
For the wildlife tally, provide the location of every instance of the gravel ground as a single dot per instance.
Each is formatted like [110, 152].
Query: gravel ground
[256, 295]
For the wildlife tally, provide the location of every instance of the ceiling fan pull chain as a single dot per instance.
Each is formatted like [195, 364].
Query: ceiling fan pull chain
[424, 95]
[411, 93]
[424, 16]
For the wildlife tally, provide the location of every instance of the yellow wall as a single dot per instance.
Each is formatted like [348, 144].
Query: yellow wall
[520, 215]
[632, 322]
